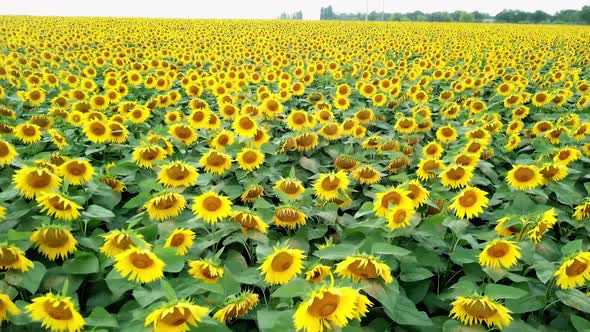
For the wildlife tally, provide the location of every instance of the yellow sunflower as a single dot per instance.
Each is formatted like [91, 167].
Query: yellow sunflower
[178, 174]
[7, 153]
[426, 168]
[96, 131]
[117, 241]
[56, 313]
[54, 241]
[331, 185]
[118, 133]
[567, 155]
[7, 307]
[236, 306]
[582, 211]
[250, 159]
[366, 175]
[399, 217]
[183, 133]
[252, 193]
[480, 309]
[212, 207]
[146, 156]
[13, 258]
[77, 171]
[205, 270]
[27, 133]
[392, 197]
[330, 307]
[249, 221]
[317, 273]
[542, 224]
[416, 192]
[282, 265]
[215, 162]
[181, 239]
[523, 177]
[574, 271]
[179, 316]
[469, 202]
[553, 172]
[500, 253]
[35, 181]
[364, 267]
[2, 213]
[297, 120]
[58, 206]
[289, 217]
[139, 264]
[456, 176]
[290, 187]
[245, 126]
[165, 205]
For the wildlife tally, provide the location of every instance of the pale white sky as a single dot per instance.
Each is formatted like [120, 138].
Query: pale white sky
[263, 8]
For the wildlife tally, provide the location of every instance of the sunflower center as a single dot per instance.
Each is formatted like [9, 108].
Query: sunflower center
[7, 257]
[289, 187]
[215, 159]
[299, 118]
[176, 317]
[288, 215]
[405, 123]
[524, 174]
[55, 238]
[150, 154]
[576, 268]
[76, 169]
[563, 155]
[177, 240]
[177, 172]
[498, 250]
[363, 115]
[183, 132]
[549, 171]
[432, 149]
[305, 140]
[325, 306]
[400, 216]
[468, 199]
[331, 129]
[29, 130]
[97, 129]
[140, 260]
[38, 180]
[272, 105]
[347, 125]
[479, 310]
[212, 204]
[391, 198]
[4, 151]
[123, 242]
[282, 262]
[456, 173]
[474, 147]
[59, 311]
[166, 202]
[430, 165]
[464, 160]
[345, 163]
[250, 157]
[246, 123]
[367, 173]
[116, 130]
[367, 270]
[58, 204]
[330, 183]
[254, 192]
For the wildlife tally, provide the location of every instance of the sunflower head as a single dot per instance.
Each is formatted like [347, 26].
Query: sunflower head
[212, 207]
[499, 253]
[34, 181]
[364, 267]
[138, 264]
[181, 239]
[178, 174]
[317, 273]
[180, 315]
[205, 270]
[523, 177]
[215, 162]
[7, 307]
[574, 271]
[59, 206]
[282, 265]
[480, 309]
[252, 193]
[331, 185]
[165, 205]
[289, 217]
[13, 258]
[118, 241]
[56, 313]
[470, 202]
[54, 241]
[249, 221]
[236, 306]
[290, 187]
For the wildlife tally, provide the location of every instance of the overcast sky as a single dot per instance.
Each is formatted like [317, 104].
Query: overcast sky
[263, 8]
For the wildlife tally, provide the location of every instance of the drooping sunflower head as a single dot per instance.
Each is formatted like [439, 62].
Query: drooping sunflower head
[252, 193]
[500, 253]
[345, 163]
[470, 202]
[289, 186]
[205, 270]
[7, 153]
[59, 206]
[54, 241]
[249, 221]
[56, 313]
[366, 175]
[138, 264]
[35, 181]
[504, 227]
[289, 217]
[117, 241]
[574, 271]
[542, 224]
[178, 174]
[306, 141]
[215, 162]
[392, 197]
[364, 267]
[176, 316]
[317, 273]
[331, 185]
[212, 207]
[146, 156]
[236, 306]
[181, 239]
[282, 265]
[427, 168]
[523, 177]
[166, 205]
[7, 307]
[77, 171]
[480, 309]
[13, 258]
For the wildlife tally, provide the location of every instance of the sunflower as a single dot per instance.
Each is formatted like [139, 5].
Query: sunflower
[250, 159]
[178, 316]
[7, 307]
[541, 99]
[297, 120]
[503, 230]
[236, 306]
[289, 217]
[426, 168]
[390, 198]
[181, 239]
[317, 273]
[54, 241]
[306, 142]
[96, 131]
[363, 267]
[574, 271]
[417, 193]
[2, 212]
[329, 186]
[205, 270]
[13, 258]
[165, 205]
[146, 156]
[58, 206]
[282, 265]
[27, 133]
[523, 177]
[139, 264]
[366, 175]
[215, 162]
[582, 211]
[252, 193]
[117, 132]
[138, 114]
[56, 313]
[432, 150]
[399, 217]
[405, 125]
[76, 171]
[477, 309]
[290, 187]
[467, 159]
[7, 153]
[116, 185]
[245, 126]
[249, 221]
[330, 307]
[271, 106]
[544, 223]
[117, 241]
[470, 202]
[178, 174]
[500, 253]
[567, 155]
[211, 207]
[34, 181]
[345, 163]
[456, 176]
[173, 116]
[553, 172]
[183, 133]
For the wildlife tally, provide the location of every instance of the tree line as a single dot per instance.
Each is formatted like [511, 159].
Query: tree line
[570, 16]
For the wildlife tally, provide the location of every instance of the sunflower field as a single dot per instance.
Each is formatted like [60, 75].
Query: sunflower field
[227, 175]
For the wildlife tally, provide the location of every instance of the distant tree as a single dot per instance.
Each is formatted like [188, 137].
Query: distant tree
[585, 14]
[466, 17]
[374, 16]
[540, 16]
[567, 16]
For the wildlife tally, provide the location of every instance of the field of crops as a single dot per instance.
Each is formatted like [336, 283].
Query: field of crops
[176, 175]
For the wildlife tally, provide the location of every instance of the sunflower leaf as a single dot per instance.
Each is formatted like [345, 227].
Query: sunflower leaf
[575, 299]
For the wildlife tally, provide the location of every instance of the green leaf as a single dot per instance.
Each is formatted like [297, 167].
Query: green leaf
[496, 291]
[117, 284]
[138, 200]
[572, 247]
[271, 320]
[146, 296]
[101, 317]
[464, 256]
[397, 306]
[32, 278]
[174, 263]
[411, 272]
[580, 324]
[98, 212]
[338, 251]
[294, 288]
[167, 289]
[85, 263]
[389, 249]
[575, 299]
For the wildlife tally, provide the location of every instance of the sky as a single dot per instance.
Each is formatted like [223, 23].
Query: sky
[263, 9]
